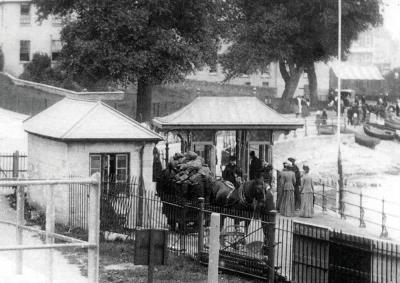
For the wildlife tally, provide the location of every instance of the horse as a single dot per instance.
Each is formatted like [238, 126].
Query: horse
[249, 196]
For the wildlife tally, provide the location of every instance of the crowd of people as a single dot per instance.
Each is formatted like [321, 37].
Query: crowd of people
[295, 190]
[357, 111]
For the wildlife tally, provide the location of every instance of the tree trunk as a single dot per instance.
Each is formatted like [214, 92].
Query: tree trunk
[291, 78]
[144, 100]
[312, 84]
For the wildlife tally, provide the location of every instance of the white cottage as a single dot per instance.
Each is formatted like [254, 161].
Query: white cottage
[79, 138]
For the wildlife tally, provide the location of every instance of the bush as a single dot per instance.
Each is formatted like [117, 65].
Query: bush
[1, 60]
[39, 69]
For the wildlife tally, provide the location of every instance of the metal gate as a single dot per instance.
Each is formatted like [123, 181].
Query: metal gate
[349, 258]
[310, 253]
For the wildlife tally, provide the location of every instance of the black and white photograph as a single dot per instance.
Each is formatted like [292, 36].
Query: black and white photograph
[200, 141]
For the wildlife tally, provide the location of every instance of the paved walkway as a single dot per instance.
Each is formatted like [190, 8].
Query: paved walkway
[34, 263]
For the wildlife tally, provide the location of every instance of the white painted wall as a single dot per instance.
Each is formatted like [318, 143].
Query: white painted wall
[48, 159]
[54, 159]
[11, 32]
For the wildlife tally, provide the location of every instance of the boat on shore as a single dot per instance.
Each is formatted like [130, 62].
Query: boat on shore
[393, 122]
[327, 129]
[379, 131]
[365, 140]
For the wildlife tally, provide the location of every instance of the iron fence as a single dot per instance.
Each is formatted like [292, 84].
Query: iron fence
[12, 165]
[255, 243]
[365, 209]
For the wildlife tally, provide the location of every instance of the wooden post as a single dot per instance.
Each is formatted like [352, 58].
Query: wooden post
[189, 141]
[20, 221]
[271, 247]
[305, 127]
[384, 233]
[213, 157]
[213, 258]
[141, 189]
[50, 223]
[150, 270]
[166, 151]
[15, 164]
[323, 197]
[94, 230]
[362, 213]
[200, 244]
[19, 193]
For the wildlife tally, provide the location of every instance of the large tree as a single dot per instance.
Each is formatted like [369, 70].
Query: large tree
[145, 42]
[295, 33]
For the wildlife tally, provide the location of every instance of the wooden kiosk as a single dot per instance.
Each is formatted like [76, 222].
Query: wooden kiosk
[255, 125]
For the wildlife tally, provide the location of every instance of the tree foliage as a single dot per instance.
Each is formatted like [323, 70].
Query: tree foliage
[136, 41]
[295, 33]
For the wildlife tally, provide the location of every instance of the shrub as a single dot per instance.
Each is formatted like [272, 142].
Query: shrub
[39, 69]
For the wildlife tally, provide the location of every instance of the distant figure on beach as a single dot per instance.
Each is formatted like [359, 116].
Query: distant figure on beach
[307, 194]
[324, 117]
[287, 181]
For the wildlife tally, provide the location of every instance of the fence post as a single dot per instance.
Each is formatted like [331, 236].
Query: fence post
[362, 222]
[50, 222]
[323, 197]
[213, 258]
[305, 127]
[384, 233]
[201, 228]
[182, 227]
[15, 167]
[19, 194]
[20, 221]
[271, 246]
[94, 227]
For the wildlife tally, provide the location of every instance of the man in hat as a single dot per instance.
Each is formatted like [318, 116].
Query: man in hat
[255, 166]
[297, 195]
[232, 172]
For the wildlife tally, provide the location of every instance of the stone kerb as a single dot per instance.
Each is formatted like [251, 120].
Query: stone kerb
[95, 95]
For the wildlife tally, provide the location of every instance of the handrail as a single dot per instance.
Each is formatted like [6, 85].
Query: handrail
[93, 218]
[26, 182]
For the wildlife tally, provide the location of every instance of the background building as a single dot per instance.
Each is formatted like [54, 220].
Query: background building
[21, 35]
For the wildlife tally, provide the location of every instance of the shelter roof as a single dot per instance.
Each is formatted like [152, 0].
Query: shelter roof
[347, 71]
[243, 112]
[73, 119]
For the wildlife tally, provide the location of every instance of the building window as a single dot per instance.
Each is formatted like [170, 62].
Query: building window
[24, 50]
[55, 49]
[122, 168]
[25, 19]
[247, 83]
[95, 164]
[113, 167]
[265, 84]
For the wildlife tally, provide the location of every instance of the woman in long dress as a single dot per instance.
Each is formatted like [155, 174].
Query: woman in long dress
[288, 179]
[307, 194]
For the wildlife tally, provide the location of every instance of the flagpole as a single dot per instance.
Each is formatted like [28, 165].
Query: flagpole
[339, 198]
